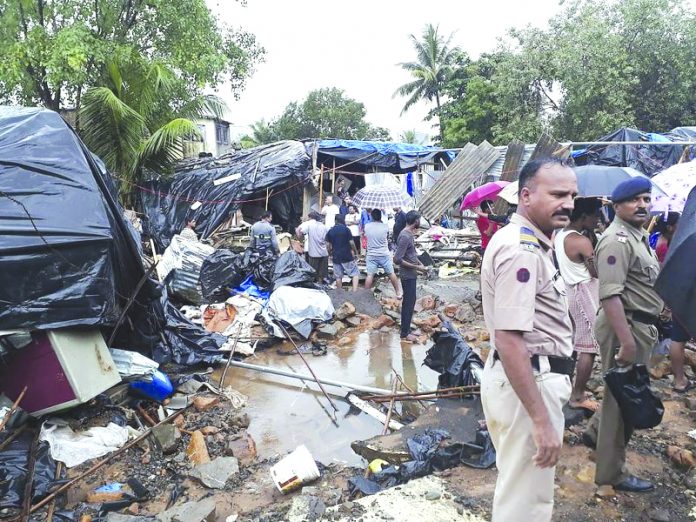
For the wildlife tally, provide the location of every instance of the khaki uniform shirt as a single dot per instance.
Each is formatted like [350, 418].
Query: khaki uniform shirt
[522, 290]
[627, 267]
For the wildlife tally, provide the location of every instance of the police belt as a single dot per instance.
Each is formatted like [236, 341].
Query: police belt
[562, 365]
[645, 318]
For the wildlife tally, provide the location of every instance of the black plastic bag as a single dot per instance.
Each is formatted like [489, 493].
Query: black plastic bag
[479, 454]
[182, 341]
[219, 269]
[630, 386]
[292, 270]
[452, 358]
[14, 460]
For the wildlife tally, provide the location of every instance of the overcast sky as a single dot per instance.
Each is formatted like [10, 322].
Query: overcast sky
[356, 46]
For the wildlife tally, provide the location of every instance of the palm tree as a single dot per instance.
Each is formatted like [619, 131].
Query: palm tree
[411, 136]
[434, 64]
[262, 132]
[139, 118]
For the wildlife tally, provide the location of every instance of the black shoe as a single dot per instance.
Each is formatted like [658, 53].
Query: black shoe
[588, 441]
[634, 485]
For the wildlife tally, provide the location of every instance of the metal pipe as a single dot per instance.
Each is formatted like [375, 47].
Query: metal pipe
[330, 382]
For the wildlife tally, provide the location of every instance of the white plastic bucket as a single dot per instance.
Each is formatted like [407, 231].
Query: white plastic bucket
[294, 470]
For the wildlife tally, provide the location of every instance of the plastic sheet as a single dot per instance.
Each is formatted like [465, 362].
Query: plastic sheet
[13, 471]
[183, 342]
[249, 288]
[67, 255]
[452, 358]
[284, 166]
[218, 270]
[181, 265]
[644, 158]
[292, 270]
[298, 307]
[640, 407]
[74, 448]
[427, 457]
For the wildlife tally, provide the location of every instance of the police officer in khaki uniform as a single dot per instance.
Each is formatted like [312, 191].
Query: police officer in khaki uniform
[526, 380]
[626, 324]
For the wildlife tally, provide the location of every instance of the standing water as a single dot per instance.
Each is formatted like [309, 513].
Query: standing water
[287, 412]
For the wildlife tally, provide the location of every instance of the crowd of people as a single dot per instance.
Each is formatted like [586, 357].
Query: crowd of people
[347, 233]
[558, 289]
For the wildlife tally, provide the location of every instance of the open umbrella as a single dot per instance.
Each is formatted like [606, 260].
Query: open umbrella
[676, 283]
[480, 194]
[382, 196]
[676, 181]
[510, 193]
[599, 181]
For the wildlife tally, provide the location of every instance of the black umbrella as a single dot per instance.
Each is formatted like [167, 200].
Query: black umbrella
[597, 181]
[677, 281]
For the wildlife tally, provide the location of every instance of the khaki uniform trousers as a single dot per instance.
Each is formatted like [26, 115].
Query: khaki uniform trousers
[612, 436]
[523, 491]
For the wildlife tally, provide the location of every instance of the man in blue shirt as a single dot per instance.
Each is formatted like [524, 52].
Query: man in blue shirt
[340, 244]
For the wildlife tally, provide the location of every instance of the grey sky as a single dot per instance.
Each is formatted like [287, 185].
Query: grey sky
[356, 46]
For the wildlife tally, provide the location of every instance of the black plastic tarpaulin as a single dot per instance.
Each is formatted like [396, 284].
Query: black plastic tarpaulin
[648, 159]
[217, 187]
[67, 256]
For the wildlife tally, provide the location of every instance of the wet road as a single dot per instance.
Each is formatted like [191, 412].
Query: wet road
[285, 413]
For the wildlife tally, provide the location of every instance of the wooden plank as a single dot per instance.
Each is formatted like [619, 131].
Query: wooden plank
[457, 179]
[546, 146]
[511, 170]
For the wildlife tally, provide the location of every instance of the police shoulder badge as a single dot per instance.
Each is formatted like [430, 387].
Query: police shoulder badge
[528, 240]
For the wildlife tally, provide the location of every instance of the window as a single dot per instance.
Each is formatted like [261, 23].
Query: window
[222, 132]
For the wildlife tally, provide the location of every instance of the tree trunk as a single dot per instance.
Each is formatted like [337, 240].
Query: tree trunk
[439, 118]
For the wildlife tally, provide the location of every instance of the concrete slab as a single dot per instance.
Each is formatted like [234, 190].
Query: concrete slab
[459, 418]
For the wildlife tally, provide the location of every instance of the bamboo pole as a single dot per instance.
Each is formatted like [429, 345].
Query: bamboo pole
[267, 196]
[390, 410]
[321, 188]
[14, 407]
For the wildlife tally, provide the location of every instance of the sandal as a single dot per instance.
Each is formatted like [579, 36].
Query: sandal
[585, 404]
[410, 338]
[689, 386]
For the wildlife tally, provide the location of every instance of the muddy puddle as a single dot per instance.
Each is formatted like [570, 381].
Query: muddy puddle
[285, 413]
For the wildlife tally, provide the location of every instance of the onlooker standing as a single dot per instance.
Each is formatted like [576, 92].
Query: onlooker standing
[574, 247]
[189, 231]
[339, 241]
[406, 257]
[378, 254]
[317, 255]
[364, 220]
[486, 225]
[399, 223]
[330, 210]
[263, 234]
[353, 224]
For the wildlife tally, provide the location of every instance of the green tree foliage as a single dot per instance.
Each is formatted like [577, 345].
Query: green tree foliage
[325, 113]
[261, 133]
[435, 58]
[135, 121]
[51, 51]
[599, 65]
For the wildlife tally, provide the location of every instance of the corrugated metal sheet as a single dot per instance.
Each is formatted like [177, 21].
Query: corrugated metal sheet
[469, 165]
[494, 172]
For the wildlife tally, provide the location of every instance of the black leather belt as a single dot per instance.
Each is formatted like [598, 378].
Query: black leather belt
[645, 318]
[562, 365]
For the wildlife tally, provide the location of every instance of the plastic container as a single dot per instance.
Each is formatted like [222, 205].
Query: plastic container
[156, 386]
[295, 470]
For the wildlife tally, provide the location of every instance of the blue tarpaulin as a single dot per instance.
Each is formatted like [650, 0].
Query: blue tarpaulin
[387, 156]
